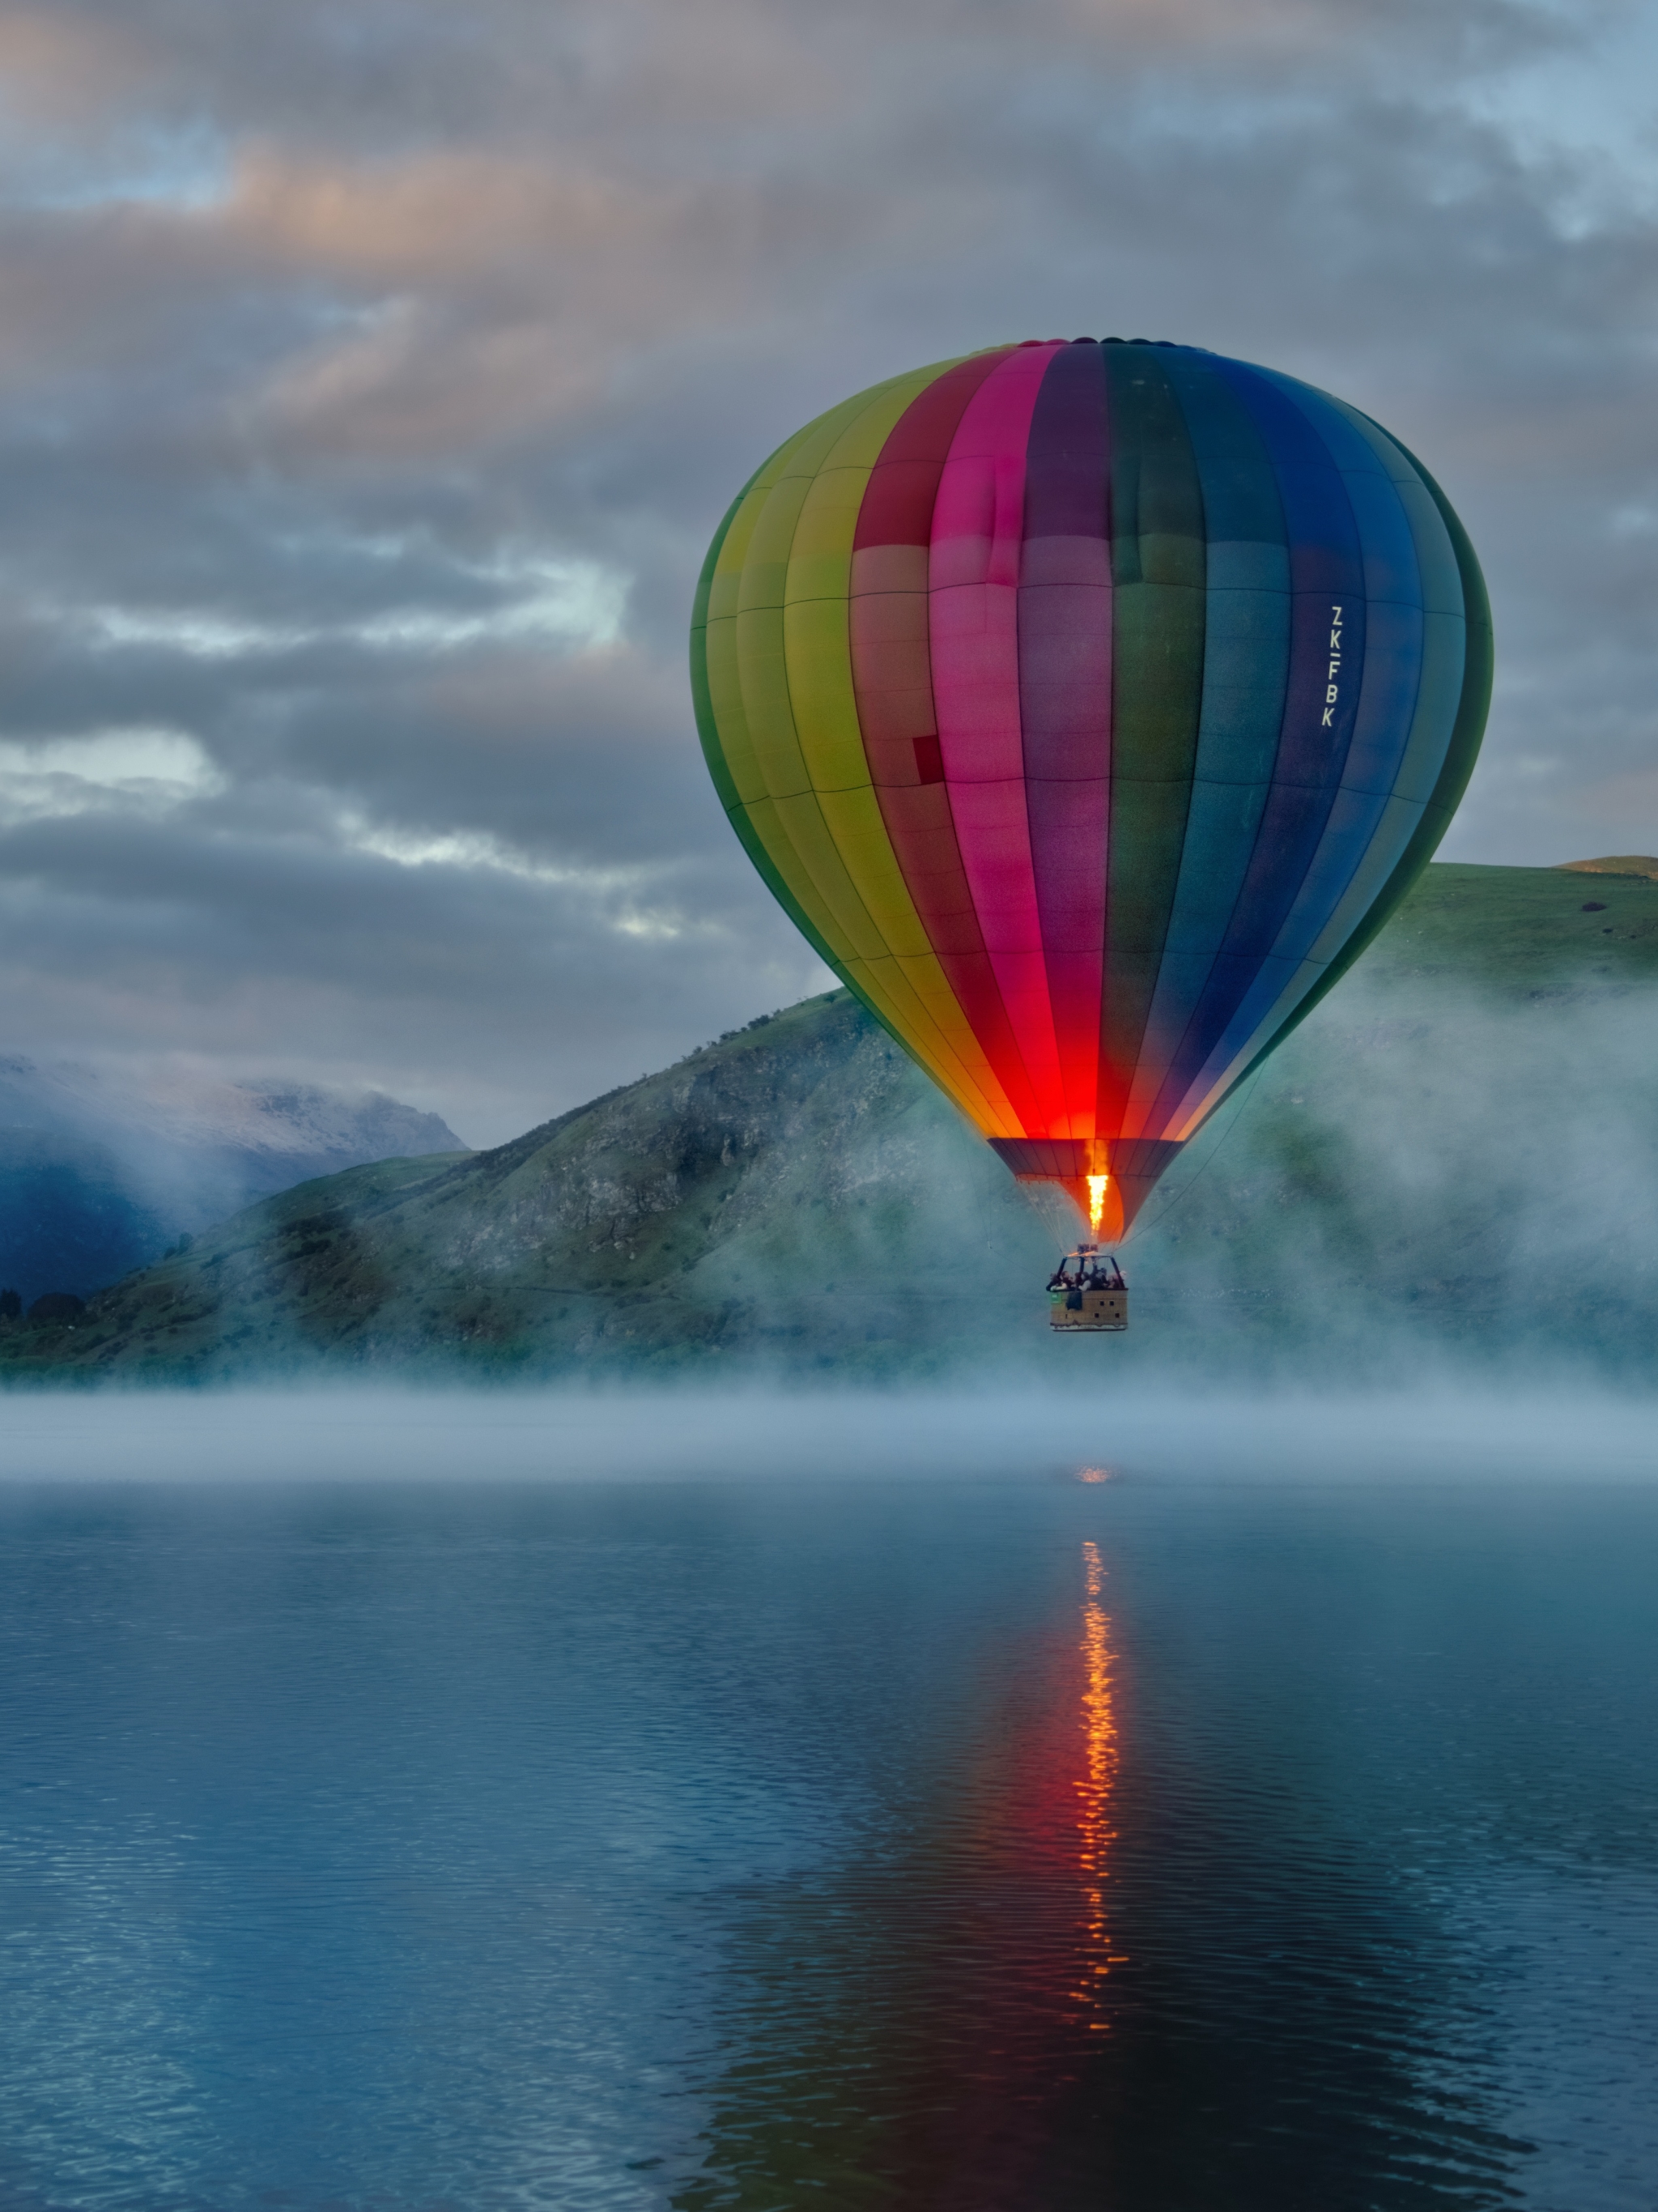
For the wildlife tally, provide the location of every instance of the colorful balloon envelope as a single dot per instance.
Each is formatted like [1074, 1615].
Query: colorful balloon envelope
[1089, 707]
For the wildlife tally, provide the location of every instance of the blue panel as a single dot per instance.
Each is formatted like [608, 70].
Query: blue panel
[1329, 603]
[1387, 700]
[1246, 666]
[1391, 674]
[1182, 978]
[1391, 569]
[1354, 820]
[1327, 576]
[1393, 588]
[1391, 572]
[1220, 836]
[1246, 658]
[1259, 988]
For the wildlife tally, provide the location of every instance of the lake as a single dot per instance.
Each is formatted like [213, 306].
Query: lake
[1064, 1837]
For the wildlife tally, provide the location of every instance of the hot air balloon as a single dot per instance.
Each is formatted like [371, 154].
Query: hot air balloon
[1089, 707]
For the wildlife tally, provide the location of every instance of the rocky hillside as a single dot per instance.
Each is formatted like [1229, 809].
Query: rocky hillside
[752, 1197]
[1453, 1158]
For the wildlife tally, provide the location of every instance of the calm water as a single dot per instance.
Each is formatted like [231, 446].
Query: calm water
[1040, 1844]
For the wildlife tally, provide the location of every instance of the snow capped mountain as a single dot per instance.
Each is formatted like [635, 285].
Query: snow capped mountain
[101, 1168]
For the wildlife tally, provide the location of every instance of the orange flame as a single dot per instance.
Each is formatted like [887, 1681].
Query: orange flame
[1096, 1200]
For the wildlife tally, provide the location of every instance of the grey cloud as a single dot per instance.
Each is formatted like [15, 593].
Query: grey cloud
[509, 999]
[337, 336]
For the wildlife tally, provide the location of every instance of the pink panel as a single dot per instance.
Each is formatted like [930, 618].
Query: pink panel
[1064, 699]
[974, 570]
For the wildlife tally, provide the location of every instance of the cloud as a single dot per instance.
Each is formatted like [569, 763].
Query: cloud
[374, 374]
[149, 770]
[570, 602]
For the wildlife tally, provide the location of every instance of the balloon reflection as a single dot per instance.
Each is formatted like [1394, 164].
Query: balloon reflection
[942, 2030]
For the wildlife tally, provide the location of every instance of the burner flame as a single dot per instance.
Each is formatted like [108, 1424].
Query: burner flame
[1096, 1200]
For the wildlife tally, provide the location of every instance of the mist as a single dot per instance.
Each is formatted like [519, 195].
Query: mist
[1430, 1172]
[1442, 1181]
[787, 1436]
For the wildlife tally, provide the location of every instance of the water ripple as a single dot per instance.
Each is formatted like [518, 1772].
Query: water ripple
[995, 1846]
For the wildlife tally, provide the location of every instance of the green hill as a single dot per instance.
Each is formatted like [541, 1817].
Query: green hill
[1455, 1154]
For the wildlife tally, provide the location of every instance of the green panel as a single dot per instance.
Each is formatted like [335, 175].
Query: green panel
[1158, 568]
[708, 728]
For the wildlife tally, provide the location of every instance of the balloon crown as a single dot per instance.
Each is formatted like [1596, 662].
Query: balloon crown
[1087, 340]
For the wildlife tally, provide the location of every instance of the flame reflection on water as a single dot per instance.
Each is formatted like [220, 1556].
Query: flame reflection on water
[1096, 1832]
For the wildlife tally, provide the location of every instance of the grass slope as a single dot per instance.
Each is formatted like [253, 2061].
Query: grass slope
[1521, 930]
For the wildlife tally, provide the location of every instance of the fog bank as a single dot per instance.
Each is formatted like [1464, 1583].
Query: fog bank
[781, 1436]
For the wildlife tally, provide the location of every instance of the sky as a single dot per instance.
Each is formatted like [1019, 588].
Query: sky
[374, 374]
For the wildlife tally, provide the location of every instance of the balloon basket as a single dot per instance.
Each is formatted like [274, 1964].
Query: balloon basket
[1087, 1292]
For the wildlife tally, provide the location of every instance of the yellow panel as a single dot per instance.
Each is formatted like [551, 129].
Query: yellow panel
[912, 996]
[797, 809]
[792, 833]
[860, 830]
[774, 836]
[769, 703]
[725, 683]
[881, 983]
[817, 651]
[954, 1078]
[726, 696]
[874, 981]
[817, 849]
[996, 1116]
[766, 554]
[765, 570]
[860, 442]
[774, 762]
[733, 553]
[756, 705]
[817, 647]
[882, 980]
[801, 816]
[820, 558]
[882, 988]
[819, 580]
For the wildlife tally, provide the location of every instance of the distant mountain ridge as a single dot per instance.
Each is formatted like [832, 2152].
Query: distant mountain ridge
[102, 1169]
[1455, 1157]
[1613, 864]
